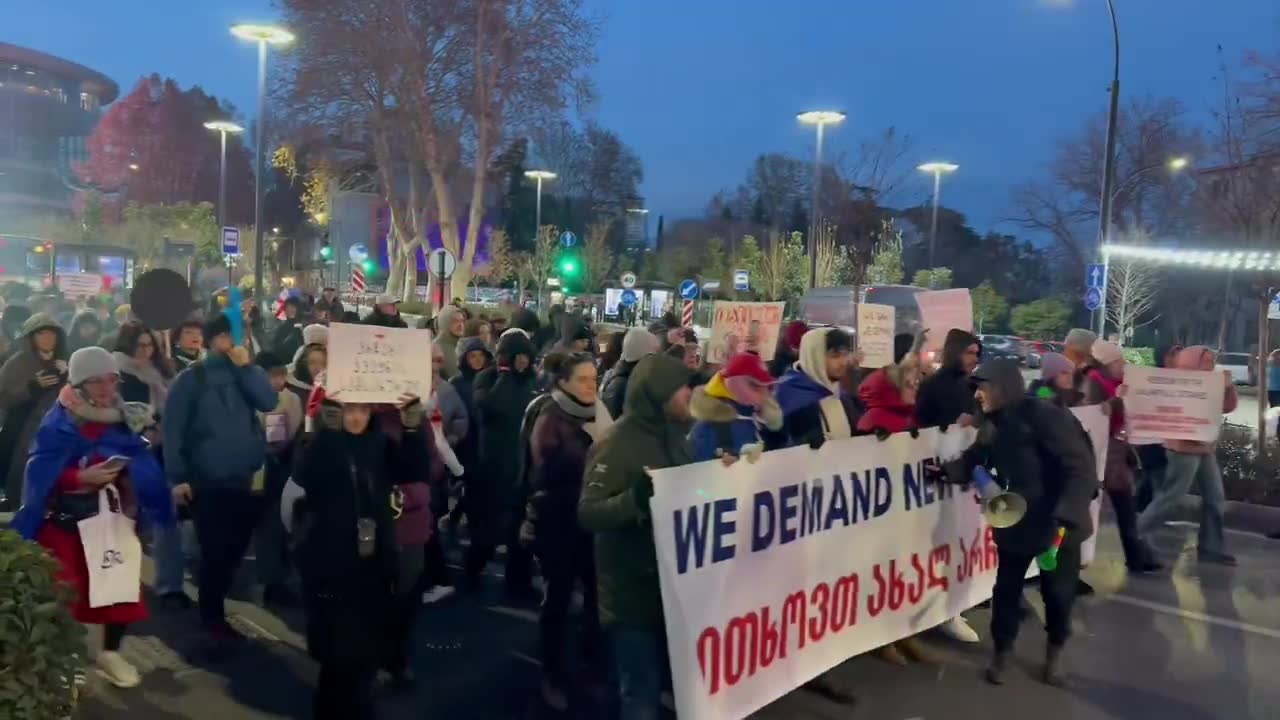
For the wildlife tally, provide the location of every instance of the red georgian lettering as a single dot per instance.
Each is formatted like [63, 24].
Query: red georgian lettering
[939, 557]
[794, 611]
[819, 599]
[740, 641]
[769, 639]
[709, 652]
[897, 588]
[876, 600]
[915, 590]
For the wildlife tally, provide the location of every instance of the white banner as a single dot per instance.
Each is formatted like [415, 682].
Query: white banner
[744, 327]
[942, 311]
[875, 334]
[374, 364]
[774, 572]
[1173, 404]
[80, 284]
[1098, 426]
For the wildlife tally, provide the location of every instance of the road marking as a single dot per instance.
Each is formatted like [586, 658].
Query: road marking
[1197, 616]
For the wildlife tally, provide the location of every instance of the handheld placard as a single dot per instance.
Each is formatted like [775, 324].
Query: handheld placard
[234, 315]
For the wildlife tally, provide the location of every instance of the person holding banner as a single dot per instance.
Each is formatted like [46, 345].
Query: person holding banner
[946, 396]
[1039, 451]
[89, 441]
[1100, 388]
[732, 410]
[814, 406]
[615, 507]
[1191, 461]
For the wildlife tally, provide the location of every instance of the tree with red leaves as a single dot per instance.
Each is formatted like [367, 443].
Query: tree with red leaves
[151, 147]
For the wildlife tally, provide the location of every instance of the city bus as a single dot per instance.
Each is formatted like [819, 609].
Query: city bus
[37, 262]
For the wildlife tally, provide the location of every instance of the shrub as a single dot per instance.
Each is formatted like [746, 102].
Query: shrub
[1140, 356]
[1246, 475]
[42, 648]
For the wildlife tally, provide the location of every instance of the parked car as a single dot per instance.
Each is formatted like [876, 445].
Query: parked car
[1033, 350]
[1242, 366]
[1002, 346]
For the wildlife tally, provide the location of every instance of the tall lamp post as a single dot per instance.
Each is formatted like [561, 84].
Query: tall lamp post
[820, 119]
[223, 128]
[538, 176]
[263, 35]
[937, 169]
[1109, 161]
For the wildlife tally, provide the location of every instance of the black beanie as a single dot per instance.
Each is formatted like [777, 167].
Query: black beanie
[219, 324]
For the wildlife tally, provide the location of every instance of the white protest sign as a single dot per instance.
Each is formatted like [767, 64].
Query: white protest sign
[373, 364]
[1173, 404]
[942, 311]
[744, 326]
[875, 334]
[80, 284]
[760, 588]
[1098, 426]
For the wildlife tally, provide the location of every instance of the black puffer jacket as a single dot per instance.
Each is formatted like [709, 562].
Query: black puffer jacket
[614, 391]
[501, 397]
[948, 394]
[1040, 451]
[468, 450]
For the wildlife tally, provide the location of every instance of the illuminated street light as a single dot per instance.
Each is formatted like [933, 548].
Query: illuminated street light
[819, 119]
[539, 176]
[223, 127]
[263, 35]
[1179, 163]
[133, 167]
[936, 169]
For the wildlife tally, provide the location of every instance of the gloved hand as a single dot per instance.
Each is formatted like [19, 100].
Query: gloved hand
[642, 491]
[818, 441]
[882, 434]
[752, 451]
[915, 433]
[411, 412]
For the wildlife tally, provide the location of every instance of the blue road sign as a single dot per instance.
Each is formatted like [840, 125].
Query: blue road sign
[1096, 276]
[231, 241]
[628, 298]
[1092, 299]
[568, 239]
[741, 280]
[689, 290]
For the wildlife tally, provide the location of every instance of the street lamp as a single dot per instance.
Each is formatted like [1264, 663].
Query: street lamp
[819, 119]
[1109, 157]
[223, 127]
[936, 169]
[263, 35]
[539, 176]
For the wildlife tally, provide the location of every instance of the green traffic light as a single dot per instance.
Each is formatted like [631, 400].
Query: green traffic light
[368, 266]
[326, 252]
[568, 267]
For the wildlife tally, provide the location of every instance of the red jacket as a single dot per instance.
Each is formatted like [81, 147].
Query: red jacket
[885, 408]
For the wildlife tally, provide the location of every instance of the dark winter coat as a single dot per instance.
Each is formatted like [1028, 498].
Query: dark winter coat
[84, 318]
[501, 397]
[22, 400]
[614, 391]
[948, 393]
[800, 397]
[558, 448]
[287, 337]
[616, 491]
[377, 317]
[468, 450]
[1041, 452]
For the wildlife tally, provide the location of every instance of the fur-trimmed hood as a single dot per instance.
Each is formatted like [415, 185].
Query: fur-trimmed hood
[707, 408]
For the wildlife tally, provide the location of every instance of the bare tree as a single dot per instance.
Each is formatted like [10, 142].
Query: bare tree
[533, 268]
[598, 256]
[1132, 289]
[501, 259]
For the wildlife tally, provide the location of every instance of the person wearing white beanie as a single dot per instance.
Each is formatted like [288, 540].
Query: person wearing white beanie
[637, 343]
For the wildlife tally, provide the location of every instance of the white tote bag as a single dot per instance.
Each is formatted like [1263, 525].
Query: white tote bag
[112, 552]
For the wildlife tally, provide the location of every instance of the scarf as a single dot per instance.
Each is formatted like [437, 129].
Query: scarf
[136, 416]
[1109, 387]
[148, 374]
[570, 404]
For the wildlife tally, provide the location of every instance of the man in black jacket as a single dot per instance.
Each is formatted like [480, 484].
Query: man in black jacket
[1041, 452]
[946, 397]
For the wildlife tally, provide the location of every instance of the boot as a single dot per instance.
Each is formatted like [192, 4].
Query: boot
[892, 655]
[999, 665]
[1052, 674]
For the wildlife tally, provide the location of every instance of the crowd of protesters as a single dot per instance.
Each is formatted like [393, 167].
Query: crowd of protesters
[538, 437]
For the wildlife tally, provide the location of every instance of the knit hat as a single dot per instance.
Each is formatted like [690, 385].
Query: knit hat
[269, 361]
[637, 343]
[1053, 364]
[219, 324]
[90, 362]
[1106, 352]
[748, 365]
[315, 334]
[1081, 340]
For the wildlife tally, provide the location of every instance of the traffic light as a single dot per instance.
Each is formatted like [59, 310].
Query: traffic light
[570, 268]
[369, 266]
[326, 251]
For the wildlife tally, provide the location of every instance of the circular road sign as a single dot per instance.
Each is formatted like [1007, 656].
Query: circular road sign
[628, 298]
[689, 290]
[628, 280]
[1092, 299]
[442, 263]
[568, 239]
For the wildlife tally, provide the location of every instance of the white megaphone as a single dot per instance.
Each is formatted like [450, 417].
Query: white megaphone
[1001, 508]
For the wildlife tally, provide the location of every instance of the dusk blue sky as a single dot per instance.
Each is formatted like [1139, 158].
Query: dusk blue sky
[700, 87]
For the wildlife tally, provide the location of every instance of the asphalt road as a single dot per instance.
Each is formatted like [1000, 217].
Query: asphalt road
[1194, 643]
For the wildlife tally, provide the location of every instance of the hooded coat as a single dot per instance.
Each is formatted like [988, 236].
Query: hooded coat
[724, 426]
[616, 491]
[447, 341]
[468, 449]
[23, 401]
[1041, 452]
[573, 328]
[885, 409]
[287, 337]
[947, 394]
[501, 396]
[1190, 359]
[814, 407]
[82, 319]
[381, 319]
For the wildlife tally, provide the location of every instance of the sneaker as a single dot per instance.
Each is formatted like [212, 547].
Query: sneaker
[117, 670]
[958, 629]
[436, 594]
